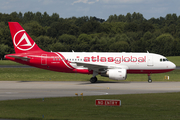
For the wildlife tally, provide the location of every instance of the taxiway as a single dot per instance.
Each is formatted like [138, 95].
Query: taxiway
[11, 90]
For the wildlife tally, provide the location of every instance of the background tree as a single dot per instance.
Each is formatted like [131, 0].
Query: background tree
[164, 44]
[4, 49]
[128, 33]
[120, 46]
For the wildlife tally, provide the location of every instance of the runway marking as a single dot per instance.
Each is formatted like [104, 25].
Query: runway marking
[99, 86]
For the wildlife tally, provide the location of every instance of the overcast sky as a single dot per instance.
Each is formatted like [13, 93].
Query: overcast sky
[99, 8]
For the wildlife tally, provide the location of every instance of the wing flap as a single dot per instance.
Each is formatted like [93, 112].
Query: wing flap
[92, 66]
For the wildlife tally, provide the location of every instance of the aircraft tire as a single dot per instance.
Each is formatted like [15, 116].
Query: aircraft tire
[149, 81]
[93, 79]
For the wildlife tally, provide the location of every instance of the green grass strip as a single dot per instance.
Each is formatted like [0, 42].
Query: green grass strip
[36, 74]
[164, 106]
[8, 62]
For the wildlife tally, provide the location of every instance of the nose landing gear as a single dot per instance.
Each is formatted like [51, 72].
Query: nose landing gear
[149, 79]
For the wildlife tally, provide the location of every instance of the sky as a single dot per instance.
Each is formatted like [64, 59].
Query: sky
[98, 8]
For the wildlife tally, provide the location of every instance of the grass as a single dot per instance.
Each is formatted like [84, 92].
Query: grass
[8, 62]
[164, 106]
[36, 74]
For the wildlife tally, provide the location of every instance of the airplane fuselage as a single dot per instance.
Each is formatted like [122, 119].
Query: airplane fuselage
[138, 63]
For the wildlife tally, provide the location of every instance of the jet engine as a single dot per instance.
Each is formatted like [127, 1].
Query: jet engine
[116, 74]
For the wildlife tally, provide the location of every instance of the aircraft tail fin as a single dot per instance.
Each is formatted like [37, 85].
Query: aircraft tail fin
[21, 40]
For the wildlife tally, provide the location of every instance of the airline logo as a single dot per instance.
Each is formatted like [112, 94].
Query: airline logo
[117, 60]
[22, 42]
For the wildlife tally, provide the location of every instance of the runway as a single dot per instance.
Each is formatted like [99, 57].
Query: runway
[11, 90]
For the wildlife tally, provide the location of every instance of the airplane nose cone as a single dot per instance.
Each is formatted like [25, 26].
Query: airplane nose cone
[172, 66]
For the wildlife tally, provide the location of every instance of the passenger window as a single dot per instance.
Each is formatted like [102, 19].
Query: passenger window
[160, 60]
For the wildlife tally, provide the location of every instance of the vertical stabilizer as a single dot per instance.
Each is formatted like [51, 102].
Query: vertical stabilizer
[21, 40]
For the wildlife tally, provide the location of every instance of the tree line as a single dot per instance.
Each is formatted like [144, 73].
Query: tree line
[119, 33]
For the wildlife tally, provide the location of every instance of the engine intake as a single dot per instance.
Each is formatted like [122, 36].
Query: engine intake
[116, 74]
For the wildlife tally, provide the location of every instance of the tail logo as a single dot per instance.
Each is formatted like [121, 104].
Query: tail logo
[22, 42]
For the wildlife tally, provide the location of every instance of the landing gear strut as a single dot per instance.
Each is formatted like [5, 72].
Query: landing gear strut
[149, 79]
[93, 79]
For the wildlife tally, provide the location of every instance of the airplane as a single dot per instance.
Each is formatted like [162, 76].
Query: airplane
[115, 65]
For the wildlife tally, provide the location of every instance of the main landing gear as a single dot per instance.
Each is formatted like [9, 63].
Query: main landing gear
[149, 79]
[94, 78]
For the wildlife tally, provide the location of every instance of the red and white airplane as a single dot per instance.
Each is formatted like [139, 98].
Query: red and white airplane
[112, 65]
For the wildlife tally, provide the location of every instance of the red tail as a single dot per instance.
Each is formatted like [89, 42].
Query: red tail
[21, 40]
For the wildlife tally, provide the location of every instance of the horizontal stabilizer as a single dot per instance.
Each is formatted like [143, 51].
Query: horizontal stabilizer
[18, 57]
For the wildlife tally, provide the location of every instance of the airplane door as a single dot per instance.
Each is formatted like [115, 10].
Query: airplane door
[150, 60]
[44, 59]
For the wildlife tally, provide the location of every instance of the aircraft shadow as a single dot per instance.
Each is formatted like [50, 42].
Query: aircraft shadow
[105, 82]
[87, 82]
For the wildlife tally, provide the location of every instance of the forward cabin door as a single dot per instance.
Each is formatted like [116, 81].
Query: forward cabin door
[150, 60]
[44, 59]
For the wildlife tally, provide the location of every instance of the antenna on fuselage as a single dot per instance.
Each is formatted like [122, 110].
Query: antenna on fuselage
[147, 51]
[73, 51]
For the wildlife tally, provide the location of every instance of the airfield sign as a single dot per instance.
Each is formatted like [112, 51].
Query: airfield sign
[105, 102]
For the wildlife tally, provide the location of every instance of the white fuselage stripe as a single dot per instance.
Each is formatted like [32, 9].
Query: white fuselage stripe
[63, 61]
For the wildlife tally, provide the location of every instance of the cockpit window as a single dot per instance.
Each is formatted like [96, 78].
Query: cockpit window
[163, 59]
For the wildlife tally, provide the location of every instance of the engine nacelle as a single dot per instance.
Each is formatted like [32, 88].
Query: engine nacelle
[117, 74]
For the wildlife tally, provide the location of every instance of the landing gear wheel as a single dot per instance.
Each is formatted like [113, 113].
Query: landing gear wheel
[149, 81]
[93, 79]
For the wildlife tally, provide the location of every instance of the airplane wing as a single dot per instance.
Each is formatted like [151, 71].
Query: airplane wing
[18, 57]
[92, 66]
[100, 67]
